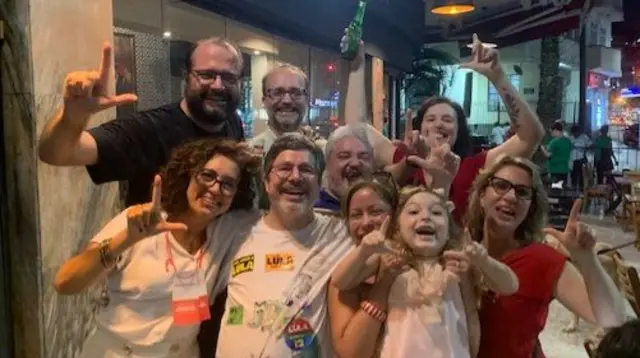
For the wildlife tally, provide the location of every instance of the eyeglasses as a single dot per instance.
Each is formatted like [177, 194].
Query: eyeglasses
[209, 178]
[278, 93]
[503, 186]
[285, 171]
[207, 77]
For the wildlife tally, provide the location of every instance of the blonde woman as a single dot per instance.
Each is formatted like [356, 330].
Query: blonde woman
[507, 213]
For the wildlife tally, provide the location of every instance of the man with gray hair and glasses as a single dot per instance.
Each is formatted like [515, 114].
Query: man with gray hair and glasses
[277, 279]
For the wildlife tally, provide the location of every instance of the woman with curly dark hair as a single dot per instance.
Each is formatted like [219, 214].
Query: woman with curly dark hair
[161, 259]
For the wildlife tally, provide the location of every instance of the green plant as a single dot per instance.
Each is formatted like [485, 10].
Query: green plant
[431, 75]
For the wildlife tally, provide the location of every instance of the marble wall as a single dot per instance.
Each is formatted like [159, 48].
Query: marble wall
[52, 211]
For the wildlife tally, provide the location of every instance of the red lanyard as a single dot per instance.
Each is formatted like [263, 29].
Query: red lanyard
[169, 261]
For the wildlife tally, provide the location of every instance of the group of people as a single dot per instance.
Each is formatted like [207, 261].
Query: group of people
[368, 247]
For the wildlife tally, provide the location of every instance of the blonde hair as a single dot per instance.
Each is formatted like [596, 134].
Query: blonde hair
[530, 230]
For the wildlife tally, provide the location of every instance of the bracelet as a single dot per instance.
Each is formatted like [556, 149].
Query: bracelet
[106, 258]
[374, 311]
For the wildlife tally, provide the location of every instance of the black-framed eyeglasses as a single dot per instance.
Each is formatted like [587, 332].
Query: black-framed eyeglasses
[209, 178]
[284, 171]
[278, 93]
[207, 77]
[503, 186]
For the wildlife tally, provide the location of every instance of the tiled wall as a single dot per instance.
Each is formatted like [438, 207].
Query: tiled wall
[153, 73]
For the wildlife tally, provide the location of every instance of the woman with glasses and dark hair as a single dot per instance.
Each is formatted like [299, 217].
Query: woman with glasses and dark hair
[162, 259]
[507, 213]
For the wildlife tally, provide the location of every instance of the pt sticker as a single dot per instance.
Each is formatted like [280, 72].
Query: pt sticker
[300, 337]
[281, 261]
[242, 265]
[236, 316]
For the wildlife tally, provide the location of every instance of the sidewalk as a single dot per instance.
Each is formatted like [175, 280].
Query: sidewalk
[555, 342]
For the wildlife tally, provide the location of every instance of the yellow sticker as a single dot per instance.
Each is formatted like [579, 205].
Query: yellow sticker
[281, 261]
[242, 265]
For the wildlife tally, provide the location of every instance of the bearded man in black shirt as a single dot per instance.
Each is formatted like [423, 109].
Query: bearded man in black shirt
[133, 147]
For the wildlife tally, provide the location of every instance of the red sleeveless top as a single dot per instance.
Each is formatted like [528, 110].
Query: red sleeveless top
[461, 186]
[510, 325]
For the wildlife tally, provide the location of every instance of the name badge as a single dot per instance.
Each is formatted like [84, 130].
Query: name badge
[190, 302]
[281, 261]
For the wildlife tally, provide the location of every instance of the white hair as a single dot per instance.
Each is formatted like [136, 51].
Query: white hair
[360, 131]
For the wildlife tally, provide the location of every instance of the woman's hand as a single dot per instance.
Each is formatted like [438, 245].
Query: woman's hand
[455, 264]
[578, 238]
[391, 266]
[440, 165]
[146, 220]
[485, 61]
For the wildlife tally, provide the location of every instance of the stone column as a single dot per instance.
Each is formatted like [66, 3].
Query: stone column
[52, 212]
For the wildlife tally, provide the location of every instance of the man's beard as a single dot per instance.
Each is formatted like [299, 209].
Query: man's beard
[284, 126]
[221, 105]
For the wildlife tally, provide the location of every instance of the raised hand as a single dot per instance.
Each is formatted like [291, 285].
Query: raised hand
[578, 238]
[375, 242]
[86, 92]
[440, 164]
[358, 60]
[391, 266]
[146, 220]
[484, 60]
[455, 263]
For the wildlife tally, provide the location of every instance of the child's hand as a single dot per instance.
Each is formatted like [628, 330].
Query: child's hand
[455, 263]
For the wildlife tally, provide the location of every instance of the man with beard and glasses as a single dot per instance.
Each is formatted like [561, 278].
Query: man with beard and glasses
[277, 280]
[349, 156]
[133, 147]
[285, 98]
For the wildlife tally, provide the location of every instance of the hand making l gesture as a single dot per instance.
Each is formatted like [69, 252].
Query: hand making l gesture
[578, 238]
[86, 92]
[145, 220]
[484, 60]
[440, 165]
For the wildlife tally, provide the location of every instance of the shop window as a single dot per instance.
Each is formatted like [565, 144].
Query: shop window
[494, 100]
[324, 91]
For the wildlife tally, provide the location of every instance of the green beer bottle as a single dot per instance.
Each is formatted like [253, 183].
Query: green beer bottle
[349, 49]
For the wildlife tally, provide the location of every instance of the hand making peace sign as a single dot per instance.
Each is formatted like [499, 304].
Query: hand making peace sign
[145, 220]
[578, 238]
[85, 92]
[484, 60]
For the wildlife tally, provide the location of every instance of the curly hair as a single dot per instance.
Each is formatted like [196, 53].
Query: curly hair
[189, 159]
[530, 230]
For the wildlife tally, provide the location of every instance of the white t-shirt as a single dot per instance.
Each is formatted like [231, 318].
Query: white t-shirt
[412, 331]
[140, 286]
[276, 303]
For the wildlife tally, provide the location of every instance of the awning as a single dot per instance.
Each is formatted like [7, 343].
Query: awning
[516, 25]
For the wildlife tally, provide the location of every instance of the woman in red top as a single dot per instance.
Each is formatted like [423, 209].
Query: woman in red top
[446, 120]
[507, 211]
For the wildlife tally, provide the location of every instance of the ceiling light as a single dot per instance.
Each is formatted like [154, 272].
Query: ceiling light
[452, 7]
[256, 52]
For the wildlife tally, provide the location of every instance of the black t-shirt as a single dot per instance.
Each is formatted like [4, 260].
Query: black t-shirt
[134, 147]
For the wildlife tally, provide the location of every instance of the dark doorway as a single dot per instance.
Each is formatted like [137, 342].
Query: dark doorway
[6, 336]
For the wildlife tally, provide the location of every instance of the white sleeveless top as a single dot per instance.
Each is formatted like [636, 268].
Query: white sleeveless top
[436, 330]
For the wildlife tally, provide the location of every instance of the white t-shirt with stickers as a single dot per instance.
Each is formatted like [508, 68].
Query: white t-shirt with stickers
[276, 303]
[138, 310]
